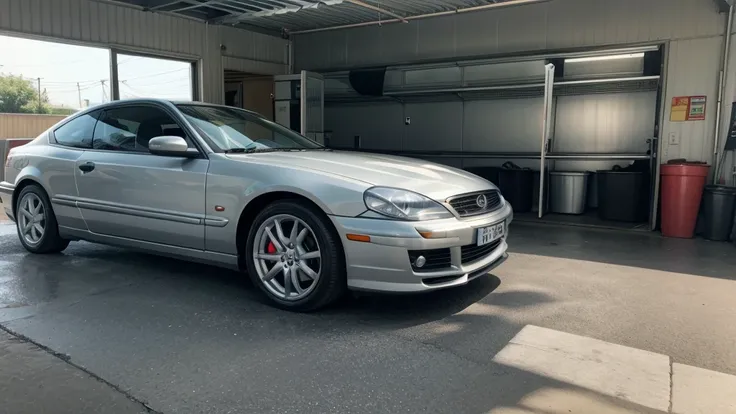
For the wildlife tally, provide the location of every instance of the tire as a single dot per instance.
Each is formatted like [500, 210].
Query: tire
[40, 242]
[331, 282]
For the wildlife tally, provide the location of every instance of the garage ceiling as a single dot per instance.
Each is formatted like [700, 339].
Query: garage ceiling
[300, 15]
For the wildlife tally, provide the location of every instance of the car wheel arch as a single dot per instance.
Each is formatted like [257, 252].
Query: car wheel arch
[23, 183]
[245, 220]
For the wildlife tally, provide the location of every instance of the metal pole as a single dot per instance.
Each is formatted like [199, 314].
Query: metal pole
[303, 103]
[79, 94]
[721, 92]
[39, 95]
[549, 73]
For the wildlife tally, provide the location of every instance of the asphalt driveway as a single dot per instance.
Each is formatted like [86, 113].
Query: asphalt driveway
[187, 338]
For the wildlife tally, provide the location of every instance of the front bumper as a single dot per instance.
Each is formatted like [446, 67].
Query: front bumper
[383, 264]
[6, 199]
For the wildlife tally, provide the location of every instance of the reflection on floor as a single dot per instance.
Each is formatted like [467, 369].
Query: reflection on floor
[588, 219]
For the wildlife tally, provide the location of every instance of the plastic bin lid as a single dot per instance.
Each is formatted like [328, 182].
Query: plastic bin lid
[620, 172]
[570, 173]
[720, 189]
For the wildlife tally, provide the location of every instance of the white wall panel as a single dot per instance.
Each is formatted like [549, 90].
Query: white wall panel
[435, 126]
[94, 23]
[509, 125]
[692, 70]
[605, 123]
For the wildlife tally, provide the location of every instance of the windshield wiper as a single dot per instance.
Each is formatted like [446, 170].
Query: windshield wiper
[253, 150]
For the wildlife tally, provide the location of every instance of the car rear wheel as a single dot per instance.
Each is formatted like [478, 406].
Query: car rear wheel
[36, 222]
[294, 255]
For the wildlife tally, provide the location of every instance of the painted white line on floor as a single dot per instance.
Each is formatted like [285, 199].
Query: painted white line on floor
[700, 391]
[631, 374]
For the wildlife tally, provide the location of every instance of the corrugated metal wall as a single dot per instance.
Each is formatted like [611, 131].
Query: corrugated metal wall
[559, 24]
[93, 23]
[692, 28]
[26, 125]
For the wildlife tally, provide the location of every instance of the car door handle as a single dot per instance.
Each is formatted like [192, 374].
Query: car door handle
[87, 167]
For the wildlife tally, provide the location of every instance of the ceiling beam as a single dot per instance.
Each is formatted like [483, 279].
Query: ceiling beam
[378, 9]
[285, 6]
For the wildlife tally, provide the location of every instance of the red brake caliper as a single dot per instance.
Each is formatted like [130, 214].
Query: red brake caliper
[271, 248]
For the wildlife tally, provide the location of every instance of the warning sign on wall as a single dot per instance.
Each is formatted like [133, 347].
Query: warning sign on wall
[688, 108]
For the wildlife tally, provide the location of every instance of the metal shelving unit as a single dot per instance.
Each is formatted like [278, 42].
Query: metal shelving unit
[547, 145]
[465, 89]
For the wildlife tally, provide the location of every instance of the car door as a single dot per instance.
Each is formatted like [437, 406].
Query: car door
[125, 191]
[56, 164]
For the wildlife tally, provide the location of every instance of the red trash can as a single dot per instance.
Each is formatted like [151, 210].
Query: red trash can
[682, 189]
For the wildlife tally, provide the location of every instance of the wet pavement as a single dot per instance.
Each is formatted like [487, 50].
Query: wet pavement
[33, 380]
[187, 338]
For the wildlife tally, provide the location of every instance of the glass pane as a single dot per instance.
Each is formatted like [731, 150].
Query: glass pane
[77, 132]
[230, 128]
[315, 109]
[50, 78]
[146, 77]
[130, 128]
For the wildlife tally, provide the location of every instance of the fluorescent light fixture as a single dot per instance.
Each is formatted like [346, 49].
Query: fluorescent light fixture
[609, 57]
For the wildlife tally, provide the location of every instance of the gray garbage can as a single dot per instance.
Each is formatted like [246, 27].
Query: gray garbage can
[719, 202]
[568, 191]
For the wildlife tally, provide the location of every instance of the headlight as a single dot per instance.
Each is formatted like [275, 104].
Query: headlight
[403, 204]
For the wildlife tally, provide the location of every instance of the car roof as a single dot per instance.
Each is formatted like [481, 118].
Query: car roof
[113, 104]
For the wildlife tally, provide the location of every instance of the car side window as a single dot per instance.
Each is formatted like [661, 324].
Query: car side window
[78, 132]
[130, 128]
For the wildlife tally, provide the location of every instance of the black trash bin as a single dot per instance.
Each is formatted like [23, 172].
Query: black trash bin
[719, 202]
[623, 195]
[489, 173]
[517, 187]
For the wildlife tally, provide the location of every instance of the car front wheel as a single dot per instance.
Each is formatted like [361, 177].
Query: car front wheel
[294, 255]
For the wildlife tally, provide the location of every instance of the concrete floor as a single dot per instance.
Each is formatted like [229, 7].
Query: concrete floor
[187, 338]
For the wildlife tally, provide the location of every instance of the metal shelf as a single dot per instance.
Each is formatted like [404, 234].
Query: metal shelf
[596, 156]
[522, 86]
[507, 155]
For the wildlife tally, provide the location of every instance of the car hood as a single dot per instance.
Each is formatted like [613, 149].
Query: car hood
[432, 180]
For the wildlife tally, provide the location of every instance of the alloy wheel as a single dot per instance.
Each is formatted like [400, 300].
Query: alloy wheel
[32, 218]
[287, 257]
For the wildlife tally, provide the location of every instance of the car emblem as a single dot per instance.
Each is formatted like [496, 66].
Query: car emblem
[481, 201]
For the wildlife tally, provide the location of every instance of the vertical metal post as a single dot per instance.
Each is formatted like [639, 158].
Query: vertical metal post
[39, 95]
[114, 85]
[549, 79]
[303, 103]
[721, 92]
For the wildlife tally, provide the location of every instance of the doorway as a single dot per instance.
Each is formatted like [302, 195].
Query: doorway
[250, 91]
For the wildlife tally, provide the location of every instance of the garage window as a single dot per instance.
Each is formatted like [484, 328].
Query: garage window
[141, 76]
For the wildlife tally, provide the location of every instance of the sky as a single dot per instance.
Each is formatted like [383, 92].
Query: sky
[61, 66]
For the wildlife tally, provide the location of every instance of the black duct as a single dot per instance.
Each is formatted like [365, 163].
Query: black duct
[653, 63]
[368, 81]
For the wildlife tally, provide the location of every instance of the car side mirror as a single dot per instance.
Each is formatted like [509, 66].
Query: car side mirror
[171, 146]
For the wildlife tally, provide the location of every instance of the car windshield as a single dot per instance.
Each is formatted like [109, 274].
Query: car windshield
[235, 130]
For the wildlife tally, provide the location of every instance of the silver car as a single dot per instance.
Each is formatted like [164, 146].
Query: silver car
[228, 187]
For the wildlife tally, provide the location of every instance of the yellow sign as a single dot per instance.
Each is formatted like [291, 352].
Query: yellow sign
[688, 108]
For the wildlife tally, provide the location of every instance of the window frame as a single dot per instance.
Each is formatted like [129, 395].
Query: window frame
[178, 119]
[72, 119]
[194, 69]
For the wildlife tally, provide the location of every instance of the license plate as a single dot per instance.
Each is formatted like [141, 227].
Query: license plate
[491, 233]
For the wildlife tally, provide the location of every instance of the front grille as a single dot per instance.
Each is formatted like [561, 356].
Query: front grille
[472, 204]
[472, 252]
[437, 259]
